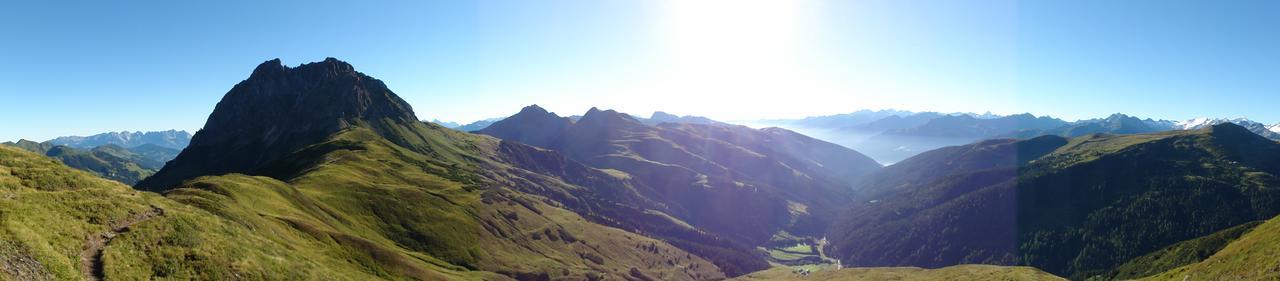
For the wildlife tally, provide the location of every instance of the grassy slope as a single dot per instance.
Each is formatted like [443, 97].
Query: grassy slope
[369, 210]
[1176, 255]
[956, 273]
[108, 161]
[1250, 257]
[114, 164]
[426, 202]
[47, 212]
[37, 147]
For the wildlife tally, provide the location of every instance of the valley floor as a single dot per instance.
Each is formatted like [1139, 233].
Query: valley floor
[959, 273]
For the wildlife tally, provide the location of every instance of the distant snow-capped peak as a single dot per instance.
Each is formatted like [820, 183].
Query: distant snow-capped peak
[1202, 122]
[1274, 128]
[986, 115]
[1194, 123]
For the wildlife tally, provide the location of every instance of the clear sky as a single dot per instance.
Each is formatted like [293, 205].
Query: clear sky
[84, 67]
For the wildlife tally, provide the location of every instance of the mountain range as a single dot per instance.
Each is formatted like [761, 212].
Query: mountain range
[321, 172]
[890, 136]
[702, 173]
[349, 158]
[658, 117]
[169, 139]
[111, 161]
[1268, 131]
[337, 160]
[469, 127]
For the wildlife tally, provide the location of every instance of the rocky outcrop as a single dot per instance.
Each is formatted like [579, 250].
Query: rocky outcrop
[278, 110]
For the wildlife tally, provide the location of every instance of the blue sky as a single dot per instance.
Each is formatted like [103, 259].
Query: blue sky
[83, 67]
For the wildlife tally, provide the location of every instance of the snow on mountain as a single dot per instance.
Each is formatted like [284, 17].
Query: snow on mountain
[987, 115]
[1205, 121]
[1271, 132]
[1196, 123]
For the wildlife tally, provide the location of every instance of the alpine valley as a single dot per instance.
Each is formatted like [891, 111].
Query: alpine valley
[320, 172]
[127, 157]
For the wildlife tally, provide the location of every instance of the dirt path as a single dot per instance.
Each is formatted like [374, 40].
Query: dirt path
[821, 244]
[91, 257]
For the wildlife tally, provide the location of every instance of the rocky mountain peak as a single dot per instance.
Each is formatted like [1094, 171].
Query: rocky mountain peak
[278, 110]
[534, 109]
[324, 91]
[531, 115]
[270, 67]
[532, 125]
[597, 116]
[1119, 116]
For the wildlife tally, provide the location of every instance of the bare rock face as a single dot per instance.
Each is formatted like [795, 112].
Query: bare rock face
[279, 110]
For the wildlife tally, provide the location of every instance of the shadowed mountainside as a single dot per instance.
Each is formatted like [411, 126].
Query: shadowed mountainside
[704, 173]
[1057, 204]
[279, 110]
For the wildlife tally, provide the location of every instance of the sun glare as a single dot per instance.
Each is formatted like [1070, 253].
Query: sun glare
[745, 55]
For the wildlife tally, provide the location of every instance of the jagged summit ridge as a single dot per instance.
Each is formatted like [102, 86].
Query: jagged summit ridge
[330, 87]
[268, 67]
[278, 110]
[327, 89]
[170, 139]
